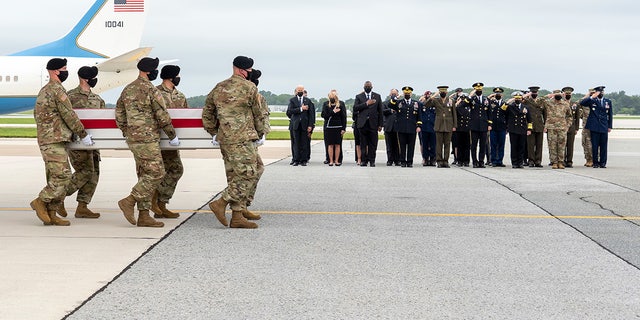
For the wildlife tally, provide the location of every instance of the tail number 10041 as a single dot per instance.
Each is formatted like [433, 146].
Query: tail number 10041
[113, 24]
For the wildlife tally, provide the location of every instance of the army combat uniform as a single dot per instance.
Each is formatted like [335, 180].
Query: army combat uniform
[557, 122]
[586, 136]
[56, 122]
[140, 114]
[86, 163]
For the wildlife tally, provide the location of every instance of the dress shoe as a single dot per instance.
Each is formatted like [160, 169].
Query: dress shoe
[603, 166]
[466, 164]
[446, 165]
[296, 163]
[338, 164]
[538, 165]
[501, 165]
[389, 163]
[330, 164]
[424, 164]
[475, 165]
[372, 164]
[291, 163]
[409, 165]
[397, 163]
[326, 162]
[403, 165]
[303, 163]
[569, 165]
[363, 164]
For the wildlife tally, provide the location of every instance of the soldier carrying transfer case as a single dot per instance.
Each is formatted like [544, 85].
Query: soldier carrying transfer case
[234, 117]
[140, 114]
[55, 123]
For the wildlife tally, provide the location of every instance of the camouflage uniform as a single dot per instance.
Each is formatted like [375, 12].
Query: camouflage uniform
[538, 111]
[173, 168]
[586, 135]
[267, 128]
[234, 113]
[559, 119]
[56, 122]
[576, 111]
[86, 163]
[140, 114]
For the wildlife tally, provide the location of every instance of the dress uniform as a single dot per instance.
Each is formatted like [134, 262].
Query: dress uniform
[537, 110]
[498, 128]
[445, 124]
[463, 136]
[427, 115]
[479, 125]
[407, 122]
[390, 131]
[557, 123]
[599, 123]
[586, 135]
[576, 111]
[519, 126]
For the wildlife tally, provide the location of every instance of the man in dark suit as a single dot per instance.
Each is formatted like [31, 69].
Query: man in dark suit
[303, 118]
[599, 123]
[368, 104]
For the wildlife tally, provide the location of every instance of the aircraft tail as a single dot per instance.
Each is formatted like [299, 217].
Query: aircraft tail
[110, 28]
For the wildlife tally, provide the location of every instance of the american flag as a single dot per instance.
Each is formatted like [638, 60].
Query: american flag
[128, 5]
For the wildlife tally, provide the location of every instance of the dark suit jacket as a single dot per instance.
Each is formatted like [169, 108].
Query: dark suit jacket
[389, 117]
[373, 112]
[301, 119]
[518, 118]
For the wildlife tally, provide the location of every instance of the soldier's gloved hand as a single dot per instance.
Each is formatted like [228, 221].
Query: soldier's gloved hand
[87, 141]
[214, 141]
[175, 141]
[259, 142]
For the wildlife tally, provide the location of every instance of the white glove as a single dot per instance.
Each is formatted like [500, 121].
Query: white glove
[259, 142]
[87, 141]
[175, 141]
[214, 141]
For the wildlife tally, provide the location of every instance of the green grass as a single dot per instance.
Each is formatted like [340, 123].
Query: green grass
[17, 121]
[284, 135]
[18, 132]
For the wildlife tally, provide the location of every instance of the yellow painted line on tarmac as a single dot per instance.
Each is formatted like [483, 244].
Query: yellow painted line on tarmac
[399, 214]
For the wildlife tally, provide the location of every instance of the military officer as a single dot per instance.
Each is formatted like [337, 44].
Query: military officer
[599, 123]
[480, 123]
[576, 111]
[141, 113]
[427, 134]
[445, 124]
[408, 125]
[86, 163]
[390, 130]
[558, 121]
[235, 118]
[56, 122]
[264, 118]
[586, 134]
[463, 135]
[173, 169]
[537, 107]
[519, 126]
[498, 127]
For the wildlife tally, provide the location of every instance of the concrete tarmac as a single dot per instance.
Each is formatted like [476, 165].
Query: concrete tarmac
[342, 242]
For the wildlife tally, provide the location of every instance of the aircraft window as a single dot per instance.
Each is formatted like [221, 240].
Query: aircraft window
[0, 78]
[15, 78]
[7, 78]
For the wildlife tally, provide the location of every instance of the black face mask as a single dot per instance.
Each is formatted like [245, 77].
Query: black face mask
[367, 89]
[407, 96]
[300, 94]
[600, 96]
[92, 82]
[153, 75]
[518, 101]
[393, 96]
[175, 81]
[332, 100]
[248, 77]
[534, 95]
[443, 94]
[478, 92]
[558, 97]
[63, 75]
[498, 96]
[568, 97]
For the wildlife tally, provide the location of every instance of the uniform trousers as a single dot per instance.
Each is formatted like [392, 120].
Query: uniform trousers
[86, 166]
[149, 169]
[407, 142]
[391, 141]
[464, 144]
[428, 141]
[557, 141]
[599, 141]
[498, 138]
[478, 137]
[58, 174]
[568, 151]
[518, 143]
[173, 170]
[443, 146]
[534, 146]
[586, 145]
[243, 169]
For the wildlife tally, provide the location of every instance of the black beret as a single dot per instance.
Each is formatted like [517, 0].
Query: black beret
[243, 62]
[88, 72]
[255, 74]
[56, 63]
[169, 72]
[147, 64]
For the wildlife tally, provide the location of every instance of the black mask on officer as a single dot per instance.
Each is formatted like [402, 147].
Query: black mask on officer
[300, 94]
[478, 92]
[443, 94]
[248, 77]
[407, 96]
[153, 75]
[534, 95]
[567, 96]
[175, 81]
[600, 95]
[498, 96]
[558, 97]
[63, 75]
[518, 101]
[367, 89]
[92, 82]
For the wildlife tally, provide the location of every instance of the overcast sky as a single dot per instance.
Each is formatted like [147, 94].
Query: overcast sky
[334, 44]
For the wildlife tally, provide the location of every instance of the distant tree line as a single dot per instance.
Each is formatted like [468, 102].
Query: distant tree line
[622, 103]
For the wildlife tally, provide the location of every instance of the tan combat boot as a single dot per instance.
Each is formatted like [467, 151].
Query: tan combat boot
[145, 220]
[554, 166]
[154, 205]
[218, 207]
[57, 221]
[589, 163]
[127, 205]
[61, 210]
[83, 212]
[238, 221]
[250, 215]
[560, 165]
[164, 212]
[41, 210]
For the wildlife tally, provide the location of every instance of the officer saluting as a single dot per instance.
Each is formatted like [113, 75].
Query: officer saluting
[573, 129]
[600, 123]
[408, 125]
[519, 126]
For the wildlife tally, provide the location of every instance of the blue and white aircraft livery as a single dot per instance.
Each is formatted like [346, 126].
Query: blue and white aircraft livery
[108, 36]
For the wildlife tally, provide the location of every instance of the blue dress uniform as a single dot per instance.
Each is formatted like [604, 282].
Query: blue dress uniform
[463, 138]
[427, 115]
[518, 123]
[407, 121]
[498, 130]
[600, 121]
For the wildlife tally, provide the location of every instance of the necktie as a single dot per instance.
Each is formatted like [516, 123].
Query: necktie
[368, 96]
[301, 102]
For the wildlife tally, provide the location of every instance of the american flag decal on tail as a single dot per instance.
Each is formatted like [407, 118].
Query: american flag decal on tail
[128, 5]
